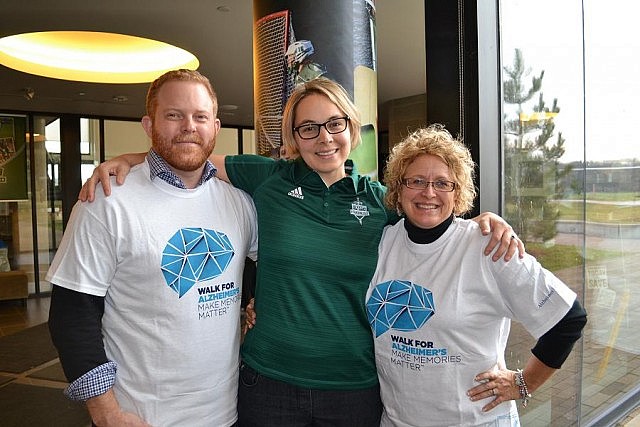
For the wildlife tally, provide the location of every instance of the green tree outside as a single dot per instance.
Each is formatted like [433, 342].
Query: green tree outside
[532, 150]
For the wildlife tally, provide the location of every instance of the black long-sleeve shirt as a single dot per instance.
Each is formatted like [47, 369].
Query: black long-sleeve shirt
[75, 325]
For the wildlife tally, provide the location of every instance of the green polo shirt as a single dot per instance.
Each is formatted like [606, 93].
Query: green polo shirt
[317, 252]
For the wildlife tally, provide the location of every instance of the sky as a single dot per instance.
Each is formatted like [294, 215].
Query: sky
[598, 92]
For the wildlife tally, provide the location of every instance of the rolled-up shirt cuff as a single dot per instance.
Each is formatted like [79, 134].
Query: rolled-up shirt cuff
[94, 383]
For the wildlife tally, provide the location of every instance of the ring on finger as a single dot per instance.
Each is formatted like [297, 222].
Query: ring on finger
[493, 391]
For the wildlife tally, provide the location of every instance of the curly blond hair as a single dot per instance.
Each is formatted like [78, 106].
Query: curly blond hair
[437, 141]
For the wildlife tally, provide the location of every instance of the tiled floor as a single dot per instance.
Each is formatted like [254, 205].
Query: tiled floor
[632, 420]
[35, 396]
[15, 315]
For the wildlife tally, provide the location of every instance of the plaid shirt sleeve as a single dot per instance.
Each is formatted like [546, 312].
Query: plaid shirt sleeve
[94, 383]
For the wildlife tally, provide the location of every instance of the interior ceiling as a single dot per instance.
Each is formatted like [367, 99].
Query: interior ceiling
[221, 40]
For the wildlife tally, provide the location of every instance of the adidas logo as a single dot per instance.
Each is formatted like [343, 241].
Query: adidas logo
[297, 193]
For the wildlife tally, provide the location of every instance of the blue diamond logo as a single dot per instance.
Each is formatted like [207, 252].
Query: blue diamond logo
[399, 305]
[195, 255]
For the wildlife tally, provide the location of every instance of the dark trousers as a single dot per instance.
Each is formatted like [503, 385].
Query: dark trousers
[264, 402]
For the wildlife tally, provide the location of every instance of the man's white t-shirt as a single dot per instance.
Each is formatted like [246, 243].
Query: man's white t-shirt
[440, 314]
[169, 263]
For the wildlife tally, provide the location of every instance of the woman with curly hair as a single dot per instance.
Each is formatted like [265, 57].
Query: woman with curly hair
[440, 311]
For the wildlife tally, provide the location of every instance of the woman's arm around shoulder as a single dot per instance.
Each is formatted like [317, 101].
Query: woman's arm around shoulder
[502, 237]
[118, 166]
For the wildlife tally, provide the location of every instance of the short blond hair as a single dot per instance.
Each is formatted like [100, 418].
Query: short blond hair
[335, 93]
[437, 141]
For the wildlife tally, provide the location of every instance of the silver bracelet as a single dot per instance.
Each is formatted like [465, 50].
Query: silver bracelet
[522, 387]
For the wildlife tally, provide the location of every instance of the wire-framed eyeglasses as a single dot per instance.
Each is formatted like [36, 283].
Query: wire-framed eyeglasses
[312, 130]
[422, 184]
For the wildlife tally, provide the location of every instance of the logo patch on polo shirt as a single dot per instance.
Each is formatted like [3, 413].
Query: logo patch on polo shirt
[297, 193]
[359, 210]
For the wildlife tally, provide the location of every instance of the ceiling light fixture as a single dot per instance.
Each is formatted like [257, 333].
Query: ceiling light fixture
[94, 57]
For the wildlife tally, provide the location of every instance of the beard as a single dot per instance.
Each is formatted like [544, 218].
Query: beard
[181, 156]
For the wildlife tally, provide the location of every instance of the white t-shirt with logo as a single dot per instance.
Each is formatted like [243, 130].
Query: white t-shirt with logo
[169, 263]
[440, 314]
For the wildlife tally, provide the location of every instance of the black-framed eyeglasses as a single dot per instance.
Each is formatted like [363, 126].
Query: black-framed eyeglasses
[312, 130]
[422, 184]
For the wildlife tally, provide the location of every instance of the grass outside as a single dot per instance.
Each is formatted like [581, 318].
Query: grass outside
[621, 213]
[555, 257]
[558, 257]
[607, 197]
[614, 214]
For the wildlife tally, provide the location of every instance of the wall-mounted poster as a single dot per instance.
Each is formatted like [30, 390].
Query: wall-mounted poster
[13, 158]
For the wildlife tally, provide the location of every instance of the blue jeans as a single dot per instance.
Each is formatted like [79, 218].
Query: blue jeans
[264, 402]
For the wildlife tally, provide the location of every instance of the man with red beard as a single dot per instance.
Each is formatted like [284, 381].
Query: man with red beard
[146, 295]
